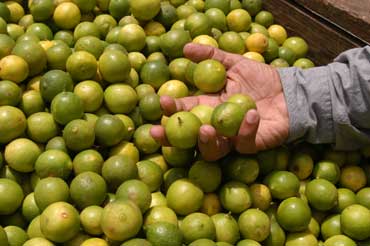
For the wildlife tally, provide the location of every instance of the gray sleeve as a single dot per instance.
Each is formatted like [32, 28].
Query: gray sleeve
[330, 104]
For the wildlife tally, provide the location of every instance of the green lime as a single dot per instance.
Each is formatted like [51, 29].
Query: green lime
[150, 173]
[203, 112]
[327, 170]
[78, 135]
[6, 45]
[243, 169]
[117, 169]
[200, 169]
[50, 190]
[198, 24]
[301, 165]
[129, 124]
[209, 76]
[227, 118]
[21, 154]
[65, 107]
[137, 192]
[16, 235]
[120, 98]
[132, 37]
[39, 241]
[53, 82]
[238, 20]
[65, 36]
[60, 222]
[13, 68]
[57, 143]
[109, 130]
[91, 44]
[283, 184]
[164, 234]
[339, 240]
[87, 160]
[114, 66]
[155, 73]
[301, 239]
[31, 102]
[174, 89]
[12, 194]
[346, 197]
[278, 33]
[184, 11]
[29, 207]
[41, 30]
[90, 220]
[41, 127]
[136, 242]
[217, 18]
[152, 44]
[81, 65]
[173, 42]
[10, 93]
[54, 163]
[33, 229]
[363, 197]
[235, 197]
[355, 220]
[4, 12]
[167, 14]
[252, 6]
[293, 214]
[91, 94]
[177, 157]
[118, 8]
[297, 45]
[150, 107]
[279, 62]
[231, 42]
[144, 141]
[227, 229]
[321, 194]
[223, 5]
[182, 130]
[244, 101]
[57, 56]
[104, 23]
[12, 123]
[143, 90]
[67, 15]
[264, 18]
[352, 177]
[85, 5]
[160, 214]
[254, 224]
[331, 226]
[287, 54]
[303, 63]
[196, 226]
[145, 10]
[197, 4]
[121, 220]
[14, 30]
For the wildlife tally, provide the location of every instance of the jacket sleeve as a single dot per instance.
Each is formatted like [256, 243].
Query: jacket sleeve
[330, 104]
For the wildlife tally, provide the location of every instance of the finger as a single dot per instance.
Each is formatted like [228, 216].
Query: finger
[198, 52]
[245, 142]
[171, 105]
[211, 146]
[158, 133]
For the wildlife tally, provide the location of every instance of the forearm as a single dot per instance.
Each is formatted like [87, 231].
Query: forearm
[330, 104]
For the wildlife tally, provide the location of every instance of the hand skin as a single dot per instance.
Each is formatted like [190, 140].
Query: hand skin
[261, 129]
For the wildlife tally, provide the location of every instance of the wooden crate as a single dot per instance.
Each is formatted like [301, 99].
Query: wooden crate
[329, 26]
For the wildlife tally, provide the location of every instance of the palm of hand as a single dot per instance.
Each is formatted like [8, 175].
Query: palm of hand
[260, 130]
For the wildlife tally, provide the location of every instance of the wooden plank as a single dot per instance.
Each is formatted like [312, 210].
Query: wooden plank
[325, 41]
[353, 16]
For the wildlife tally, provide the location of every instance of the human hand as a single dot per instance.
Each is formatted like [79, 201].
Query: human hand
[261, 129]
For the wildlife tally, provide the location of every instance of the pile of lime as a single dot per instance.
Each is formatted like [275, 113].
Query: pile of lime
[80, 89]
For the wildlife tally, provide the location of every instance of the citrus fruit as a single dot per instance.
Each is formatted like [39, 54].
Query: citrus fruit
[205, 40]
[177, 157]
[120, 98]
[235, 197]
[160, 214]
[196, 226]
[114, 66]
[41, 127]
[173, 42]
[184, 11]
[287, 54]
[81, 65]
[221, 118]
[150, 173]
[223, 5]
[117, 169]
[264, 18]
[95, 242]
[293, 214]
[254, 224]
[164, 234]
[155, 73]
[301, 239]
[278, 33]
[137, 60]
[16, 11]
[50, 190]
[4, 12]
[331, 226]
[85, 5]
[38, 241]
[67, 15]
[354, 221]
[298, 45]
[53, 82]
[12, 196]
[231, 42]
[172, 175]
[327, 170]
[65, 107]
[144, 89]
[16, 235]
[84, 29]
[158, 199]
[21, 154]
[127, 149]
[217, 18]
[346, 197]
[60, 222]
[303, 63]
[109, 130]
[12, 123]
[277, 234]
[184, 197]
[198, 24]
[87, 160]
[34, 229]
[6, 45]
[321, 194]
[144, 141]
[279, 62]
[211, 204]
[29, 207]
[167, 14]
[182, 130]
[118, 8]
[91, 44]
[91, 94]
[252, 6]
[209, 76]
[145, 10]
[200, 169]
[40, 30]
[104, 23]
[203, 112]
[31, 102]
[154, 29]
[10, 93]
[363, 196]
[339, 240]
[283, 184]
[13, 68]
[257, 42]
[57, 56]
[53, 162]
[242, 169]
[261, 196]
[65, 36]
[254, 56]
[238, 20]
[121, 220]
[227, 229]
[56, 143]
[301, 165]
[352, 177]
[132, 37]
[136, 191]
[272, 50]
[150, 107]
[136, 242]
[174, 89]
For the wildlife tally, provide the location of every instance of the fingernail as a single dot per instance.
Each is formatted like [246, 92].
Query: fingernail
[203, 138]
[252, 118]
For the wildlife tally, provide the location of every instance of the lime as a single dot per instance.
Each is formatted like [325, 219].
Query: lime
[331, 226]
[87, 160]
[16, 235]
[339, 240]
[65, 36]
[150, 173]
[129, 124]
[209, 76]
[121, 220]
[114, 66]
[352, 177]
[278, 33]
[211, 204]
[91, 44]
[301, 239]
[14, 31]
[293, 214]
[53, 82]
[81, 65]
[172, 175]
[137, 242]
[235, 197]
[279, 62]
[231, 42]
[254, 224]
[283, 184]
[152, 44]
[221, 118]
[252, 6]
[29, 207]
[144, 9]
[109, 130]
[261, 196]
[95, 242]
[39, 241]
[132, 37]
[303, 63]
[150, 107]
[272, 50]
[136, 60]
[227, 229]
[16, 10]
[21, 154]
[60, 222]
[196, 226]
[287, 54]
[327, 170]
[254, 56]
[144, 141]
[238, 20]
[31, 102]
[177, 157]
[301, 165]
[120, 98]
[235, 4]
[41, 127]
[87, 189]
[13, 68]
[6, 45]
[118, 8]
[10, 93]
[200, 169]
[104, 23]
[91, 94]
[12, 194]
[77, 240]
[160, 214]
[85, 5]
[41, 30]
[34, 229]
[117, 169]
[248, 242]
[67, 15]
[298, 45]
[277, 234]
[167, 14]
[173, 42]
[242, 169]
[55, 163]
[363, 197]
[264, 18]
[257, 42]
[182, 130]
[346, 197]
[203, 112]
[174, 89]
[57, 56]
[184, 11]
[57, 143]
[355, 221]
[154, 29]
[155, 73]
[164, 234]
[223, 5]
[321, 194]
[137, 192]
[90, 219]
[50, 190]
[4, 12]
[338, 157]
[65, 107]
[198, 24]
